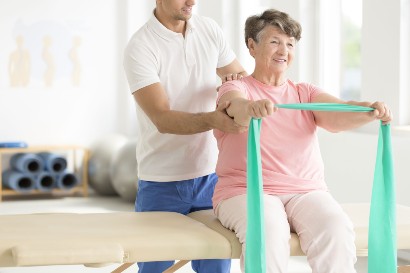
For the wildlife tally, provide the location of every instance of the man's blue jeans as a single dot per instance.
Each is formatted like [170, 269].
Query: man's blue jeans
[183, 197]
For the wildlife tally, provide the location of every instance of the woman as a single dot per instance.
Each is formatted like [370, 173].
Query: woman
[295, 194]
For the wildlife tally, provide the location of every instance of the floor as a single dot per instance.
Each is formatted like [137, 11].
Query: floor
[98, 204]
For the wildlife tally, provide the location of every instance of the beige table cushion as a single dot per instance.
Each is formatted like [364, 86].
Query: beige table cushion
[100, 238]
[209, 219]
[52, 239]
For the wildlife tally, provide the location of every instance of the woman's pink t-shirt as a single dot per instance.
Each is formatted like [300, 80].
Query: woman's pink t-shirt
[291, 159]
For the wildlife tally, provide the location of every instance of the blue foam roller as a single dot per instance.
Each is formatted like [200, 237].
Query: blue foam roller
[21, 182]
[67, 181]
[15, 144]
[53, 163]
[27, 163]
[45, 181]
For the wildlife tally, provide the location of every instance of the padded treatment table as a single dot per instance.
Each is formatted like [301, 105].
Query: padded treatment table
[128, 237]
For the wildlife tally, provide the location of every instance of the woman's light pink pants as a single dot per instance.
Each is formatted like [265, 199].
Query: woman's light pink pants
[326, 233]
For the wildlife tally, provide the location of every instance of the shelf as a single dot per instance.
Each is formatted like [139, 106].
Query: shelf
[77, 157]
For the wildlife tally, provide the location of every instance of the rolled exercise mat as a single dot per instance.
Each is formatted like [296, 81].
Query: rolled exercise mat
[14, 144]
[53, 163]
[66, 181]
[45, 181]
[27, 163]
[20, 182]
[382, 221]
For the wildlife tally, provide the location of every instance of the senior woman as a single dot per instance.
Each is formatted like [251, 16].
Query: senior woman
[295, 193]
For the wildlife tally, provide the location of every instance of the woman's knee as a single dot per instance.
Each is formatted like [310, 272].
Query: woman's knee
[338, 229]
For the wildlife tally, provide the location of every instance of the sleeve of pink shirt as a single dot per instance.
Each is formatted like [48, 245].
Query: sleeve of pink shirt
[231, 86]
[308, 91]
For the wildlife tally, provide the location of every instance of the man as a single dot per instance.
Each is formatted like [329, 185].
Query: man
[170, 64]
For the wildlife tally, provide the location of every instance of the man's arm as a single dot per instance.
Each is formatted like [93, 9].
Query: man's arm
[341, 121]
[154, 102]
[232, 71]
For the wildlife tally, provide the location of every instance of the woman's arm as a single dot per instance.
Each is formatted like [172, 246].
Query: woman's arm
[341, 121]
[242, 110]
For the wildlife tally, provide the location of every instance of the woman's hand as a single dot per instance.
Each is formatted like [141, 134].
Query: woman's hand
[260, 108]
[243, 110]
[382, 112]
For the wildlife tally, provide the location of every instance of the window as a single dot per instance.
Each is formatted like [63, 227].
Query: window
[364, 52]
[350, 70]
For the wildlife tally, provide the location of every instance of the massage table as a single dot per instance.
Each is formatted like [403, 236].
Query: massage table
[98, 239]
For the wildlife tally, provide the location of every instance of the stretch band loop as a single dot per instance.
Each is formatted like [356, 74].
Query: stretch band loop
[382, 238]
[330, 107]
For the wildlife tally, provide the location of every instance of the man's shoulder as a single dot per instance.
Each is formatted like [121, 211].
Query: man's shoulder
[141, 32]
[142, 38]
[199, 20]
[202, 18]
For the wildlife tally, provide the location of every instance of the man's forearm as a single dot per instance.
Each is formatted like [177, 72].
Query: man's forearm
[183, 123]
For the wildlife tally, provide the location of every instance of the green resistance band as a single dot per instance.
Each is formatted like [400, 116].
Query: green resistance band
[382, 222]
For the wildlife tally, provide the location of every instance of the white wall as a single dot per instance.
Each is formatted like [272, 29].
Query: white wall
[350, 159]
[62, 113]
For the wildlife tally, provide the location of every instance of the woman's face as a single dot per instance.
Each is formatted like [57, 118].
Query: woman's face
[275, 51]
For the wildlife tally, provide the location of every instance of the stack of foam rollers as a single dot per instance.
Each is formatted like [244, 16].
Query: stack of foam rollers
[38, 171]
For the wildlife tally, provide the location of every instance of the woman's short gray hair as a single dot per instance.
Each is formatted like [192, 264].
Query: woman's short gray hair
[271, 17]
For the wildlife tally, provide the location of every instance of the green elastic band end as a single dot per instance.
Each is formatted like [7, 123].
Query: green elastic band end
[255, 235]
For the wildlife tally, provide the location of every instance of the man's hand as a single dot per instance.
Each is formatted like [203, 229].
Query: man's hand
[231, 77]
[223, 122]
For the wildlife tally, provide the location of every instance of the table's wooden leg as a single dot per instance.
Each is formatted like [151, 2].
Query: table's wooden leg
[171, 269]
[176, 266]
[122, 267]
[403, 269]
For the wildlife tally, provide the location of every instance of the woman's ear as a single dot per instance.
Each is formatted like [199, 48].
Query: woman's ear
[251, 46]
